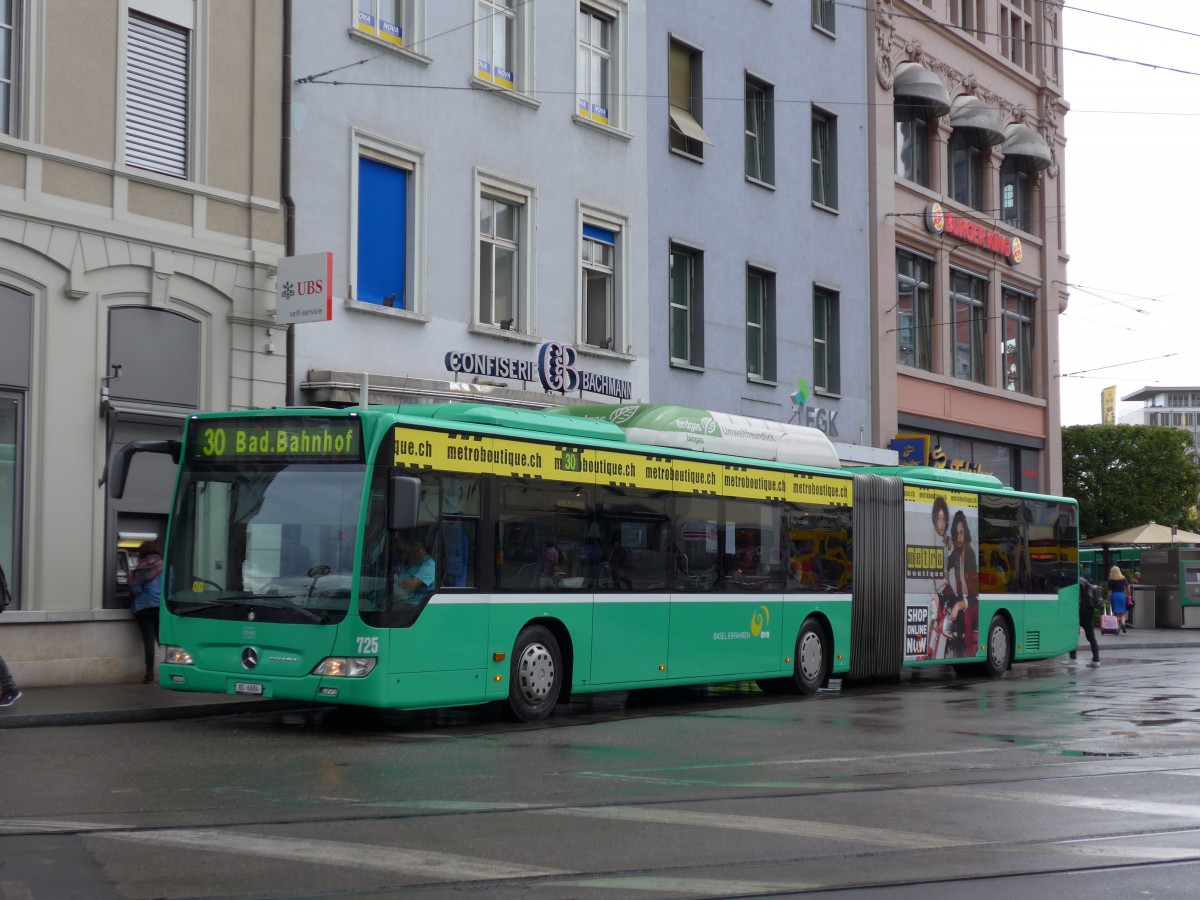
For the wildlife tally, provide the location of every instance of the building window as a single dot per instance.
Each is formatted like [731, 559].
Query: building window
[499, 263]
[965, 157]
[1016, 32]
[969, 16]
[1015, 194]
[760, 131]
[684, 87]
[914, 310]
[392, 21]
[383, 232]
[823, 15]
[687, 306]
[760, 325]
[824, 159]
[157, 96]
[967, 298]
[1016, 350]
[499, 42]
[601, 298]
[9, 65]
[912, 144]
[827, 366]
[598, 70]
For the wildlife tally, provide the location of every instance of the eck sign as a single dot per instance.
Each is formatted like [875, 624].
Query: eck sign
[304, 289]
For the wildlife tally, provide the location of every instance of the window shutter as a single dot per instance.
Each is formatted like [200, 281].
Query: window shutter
[156, 98]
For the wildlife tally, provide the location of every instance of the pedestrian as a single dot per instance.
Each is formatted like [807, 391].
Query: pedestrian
[1118, 595]
[1089, 602]
[9, 692]
[145, 585]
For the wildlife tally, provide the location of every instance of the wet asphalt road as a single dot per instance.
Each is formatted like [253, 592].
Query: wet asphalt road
[1058, 780]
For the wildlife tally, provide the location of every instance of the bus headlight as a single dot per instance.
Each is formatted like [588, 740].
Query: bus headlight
[177, 656]
[345, 666]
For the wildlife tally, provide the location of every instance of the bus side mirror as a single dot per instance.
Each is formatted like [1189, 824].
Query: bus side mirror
[117, 470]
[404, 496]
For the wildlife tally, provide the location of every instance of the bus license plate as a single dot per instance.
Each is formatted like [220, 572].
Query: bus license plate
[243, 687]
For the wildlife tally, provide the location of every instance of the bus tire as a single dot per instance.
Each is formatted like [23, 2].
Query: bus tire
[535, 677]
[999, 647]
[812, 658]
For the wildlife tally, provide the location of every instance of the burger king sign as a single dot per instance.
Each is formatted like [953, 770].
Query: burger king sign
[939, 220]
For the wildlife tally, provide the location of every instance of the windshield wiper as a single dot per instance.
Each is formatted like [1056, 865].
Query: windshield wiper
[240, 597]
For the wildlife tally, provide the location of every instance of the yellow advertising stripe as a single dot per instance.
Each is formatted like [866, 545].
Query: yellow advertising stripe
[455, 452]
[915, 494]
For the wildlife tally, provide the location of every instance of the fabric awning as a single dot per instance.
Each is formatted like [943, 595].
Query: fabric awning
[688, 126]
[1023, 141]
[971, 112]
[915, 85]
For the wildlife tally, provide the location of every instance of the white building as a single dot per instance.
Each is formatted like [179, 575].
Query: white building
[1173, 407]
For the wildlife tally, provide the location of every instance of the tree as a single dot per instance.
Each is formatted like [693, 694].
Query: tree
[1127, 475]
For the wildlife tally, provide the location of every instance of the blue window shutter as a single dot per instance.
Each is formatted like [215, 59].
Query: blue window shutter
[382, 233]
[599, 234]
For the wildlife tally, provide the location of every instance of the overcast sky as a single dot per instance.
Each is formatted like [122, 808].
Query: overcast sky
[1132, 182]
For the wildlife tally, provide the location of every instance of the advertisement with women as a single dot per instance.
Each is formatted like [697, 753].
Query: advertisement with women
[941, 591]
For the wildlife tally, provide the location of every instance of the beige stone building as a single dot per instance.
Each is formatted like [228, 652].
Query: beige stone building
[969, 255]
[140, 224]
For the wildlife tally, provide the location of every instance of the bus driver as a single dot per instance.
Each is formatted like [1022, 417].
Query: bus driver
[415, 578]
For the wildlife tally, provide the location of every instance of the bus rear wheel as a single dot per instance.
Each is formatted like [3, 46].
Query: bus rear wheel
[999, 647]
[812, 659]
[535, 679]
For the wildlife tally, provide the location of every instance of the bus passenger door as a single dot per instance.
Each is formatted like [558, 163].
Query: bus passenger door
[631, 614]
[728, 577]
[629, 637]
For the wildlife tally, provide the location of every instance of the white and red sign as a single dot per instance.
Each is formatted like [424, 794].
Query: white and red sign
[304, 289]
[939, 220]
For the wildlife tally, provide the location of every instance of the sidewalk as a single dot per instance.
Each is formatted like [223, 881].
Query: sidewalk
[106, 704]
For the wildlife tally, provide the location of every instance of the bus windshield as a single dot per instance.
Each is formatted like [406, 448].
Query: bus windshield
[270, 542]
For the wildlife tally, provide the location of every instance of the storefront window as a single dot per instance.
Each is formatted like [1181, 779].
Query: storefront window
[10, 490]
[975, 455]
[16, 330]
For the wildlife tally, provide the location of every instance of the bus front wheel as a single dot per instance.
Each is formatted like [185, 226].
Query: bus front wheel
[535, 680]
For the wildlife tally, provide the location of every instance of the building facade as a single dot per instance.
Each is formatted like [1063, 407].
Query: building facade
[140, 223]
[968, 260]
[759, 220]
[478, 174]
[1171, 407]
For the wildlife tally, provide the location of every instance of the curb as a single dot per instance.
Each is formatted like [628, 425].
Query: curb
[148, 714]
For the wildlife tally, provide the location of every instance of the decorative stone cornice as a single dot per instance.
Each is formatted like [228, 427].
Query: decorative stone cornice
[957, 82]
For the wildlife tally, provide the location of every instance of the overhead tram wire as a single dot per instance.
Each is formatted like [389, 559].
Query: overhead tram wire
[316, 77]
[1132, 362]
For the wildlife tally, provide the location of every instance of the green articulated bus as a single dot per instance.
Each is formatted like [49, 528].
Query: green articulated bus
[424, 556]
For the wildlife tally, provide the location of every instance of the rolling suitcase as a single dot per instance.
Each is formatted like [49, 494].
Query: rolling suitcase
[1108, 622]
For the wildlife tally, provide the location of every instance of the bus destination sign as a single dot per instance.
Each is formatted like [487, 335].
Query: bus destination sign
[309, 439]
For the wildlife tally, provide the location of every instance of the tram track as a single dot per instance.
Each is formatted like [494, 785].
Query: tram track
[1095, 845]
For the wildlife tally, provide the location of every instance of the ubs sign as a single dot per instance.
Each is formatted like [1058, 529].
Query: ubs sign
[556, 368]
